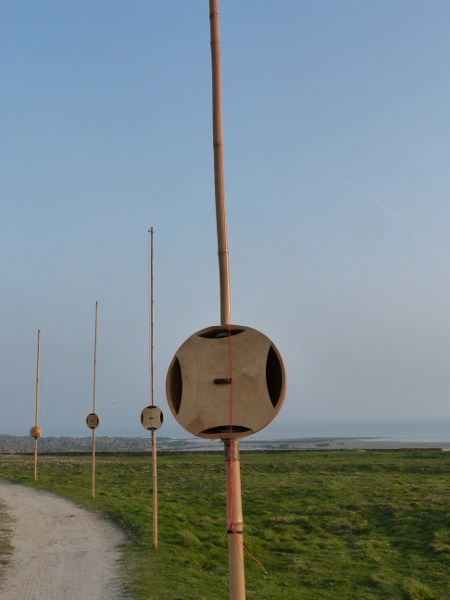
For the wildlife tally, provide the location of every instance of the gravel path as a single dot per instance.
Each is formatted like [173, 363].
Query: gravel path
[61, 551]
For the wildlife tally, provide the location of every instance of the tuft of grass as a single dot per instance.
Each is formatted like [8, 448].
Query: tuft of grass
[346, 524]
[414, 590]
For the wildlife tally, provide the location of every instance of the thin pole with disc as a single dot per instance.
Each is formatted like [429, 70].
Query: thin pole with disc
[227, 381]
[152, 386]
[92, 420]
[94, 398]
[231, 446]
[152, 416]
[36, 430]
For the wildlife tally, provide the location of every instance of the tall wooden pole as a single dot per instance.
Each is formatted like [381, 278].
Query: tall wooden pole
[235, 527]
[94, 398]
[38, 366]
[234, 499]
[219, 179]
[152, 386]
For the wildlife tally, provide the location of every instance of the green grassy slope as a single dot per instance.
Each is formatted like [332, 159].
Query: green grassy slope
[325, 525]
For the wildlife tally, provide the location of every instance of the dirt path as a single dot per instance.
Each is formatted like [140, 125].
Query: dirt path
[60, 550]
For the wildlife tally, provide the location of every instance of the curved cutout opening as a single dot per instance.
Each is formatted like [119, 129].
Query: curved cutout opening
[175, 385]
[216, 334]
[225, 429]
[274, 376]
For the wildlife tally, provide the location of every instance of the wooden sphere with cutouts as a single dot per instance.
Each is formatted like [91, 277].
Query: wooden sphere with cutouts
[92, 420]
[36, 432]
[152, 418]
[226, 382]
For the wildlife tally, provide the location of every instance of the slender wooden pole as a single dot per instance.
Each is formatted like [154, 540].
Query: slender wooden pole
[35, 458]
[235, 528]
[155, 491]
[152, 393]
[221, 218]
[38, 366]
[94, 386]
[231, 447]
[152, 320]
[93, 462]
[94, 398]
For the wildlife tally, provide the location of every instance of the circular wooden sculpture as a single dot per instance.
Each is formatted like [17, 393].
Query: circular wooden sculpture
[36, 432]
[152, 418]
[226, 382]
[92, 421]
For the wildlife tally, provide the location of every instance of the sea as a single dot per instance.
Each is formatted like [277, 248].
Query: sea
[424, 431]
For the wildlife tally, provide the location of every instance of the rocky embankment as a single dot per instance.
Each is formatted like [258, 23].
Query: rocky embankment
[16, 444]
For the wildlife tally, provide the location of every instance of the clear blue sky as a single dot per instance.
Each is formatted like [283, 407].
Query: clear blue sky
[337, 146]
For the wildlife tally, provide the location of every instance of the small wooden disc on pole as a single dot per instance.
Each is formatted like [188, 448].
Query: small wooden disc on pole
[36, 431]
[152, 416]
[92, 420]
[152, 393]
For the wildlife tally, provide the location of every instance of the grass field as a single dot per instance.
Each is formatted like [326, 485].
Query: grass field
[325, 525]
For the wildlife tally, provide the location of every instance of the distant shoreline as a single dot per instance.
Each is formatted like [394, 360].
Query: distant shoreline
[65, 444]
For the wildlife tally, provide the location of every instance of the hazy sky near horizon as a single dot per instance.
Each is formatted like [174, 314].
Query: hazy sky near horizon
[337, 146]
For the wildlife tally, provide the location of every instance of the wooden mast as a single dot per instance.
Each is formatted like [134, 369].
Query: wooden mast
[231, 446]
